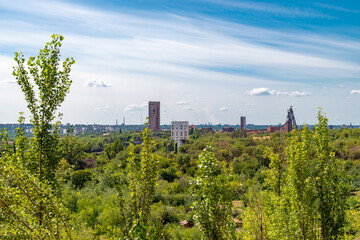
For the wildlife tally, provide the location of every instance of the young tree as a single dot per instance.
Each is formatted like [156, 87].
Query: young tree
[29, 206]
[306, 200]
[142, 181]
[331, 183]
[212, 194]
[300, 188]
[52, 84]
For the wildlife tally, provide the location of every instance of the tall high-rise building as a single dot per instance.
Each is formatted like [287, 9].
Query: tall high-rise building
[242, 122]
[154, 116]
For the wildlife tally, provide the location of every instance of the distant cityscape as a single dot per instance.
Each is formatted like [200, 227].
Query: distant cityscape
[154, 125]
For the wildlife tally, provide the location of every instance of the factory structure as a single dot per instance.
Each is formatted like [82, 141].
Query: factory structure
[290, 121]
[154, 116]
[242, 123]
[288, 126]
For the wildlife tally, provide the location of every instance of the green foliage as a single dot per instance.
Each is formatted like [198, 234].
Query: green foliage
[268, 201]
[255, 217]
[80, 177]
[72, 149]
[52, 85]
[142, 178]
[113, 149]
[28, 207]
[306, 198]
[177, 232]
[64, 171]
[212, 194]
[331, 183]
[168, 174]
[301, 178]
[275, 174]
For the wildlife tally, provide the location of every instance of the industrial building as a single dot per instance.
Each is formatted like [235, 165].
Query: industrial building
[154, 116]
[290, 121]
[242, 123]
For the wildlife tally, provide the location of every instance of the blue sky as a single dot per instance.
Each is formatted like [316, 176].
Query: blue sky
[205, 60]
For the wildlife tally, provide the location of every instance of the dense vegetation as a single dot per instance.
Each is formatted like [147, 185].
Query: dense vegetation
[273, 183]
[299, 185]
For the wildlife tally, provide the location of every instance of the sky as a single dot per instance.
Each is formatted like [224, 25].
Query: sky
[206, 61]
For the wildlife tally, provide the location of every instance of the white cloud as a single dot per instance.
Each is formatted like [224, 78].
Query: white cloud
[96, 83]
[182, 103]
[355, 91]
[266, 91]
[297, 94]
[223, 109]
[136, 107]
[259, 92]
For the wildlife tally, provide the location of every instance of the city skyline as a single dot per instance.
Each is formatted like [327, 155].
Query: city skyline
[205, 61]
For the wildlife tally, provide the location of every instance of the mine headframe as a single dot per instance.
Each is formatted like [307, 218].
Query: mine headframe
[290, 120]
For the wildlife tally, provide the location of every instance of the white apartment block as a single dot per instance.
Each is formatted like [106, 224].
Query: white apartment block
[179, 131]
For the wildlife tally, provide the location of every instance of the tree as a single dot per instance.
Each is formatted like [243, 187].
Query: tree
[142, 180]
[52, 84]
[300, 189]
[331, 183]
[112, 149]
[72, 149]
[30, 208]
[212, 194]
[306, 198]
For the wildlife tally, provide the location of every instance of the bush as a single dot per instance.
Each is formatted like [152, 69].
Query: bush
[169, 215]
[78, 178]
[178, 232]
[168, 174]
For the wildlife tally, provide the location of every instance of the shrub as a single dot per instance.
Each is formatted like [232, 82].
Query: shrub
[78, 178]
